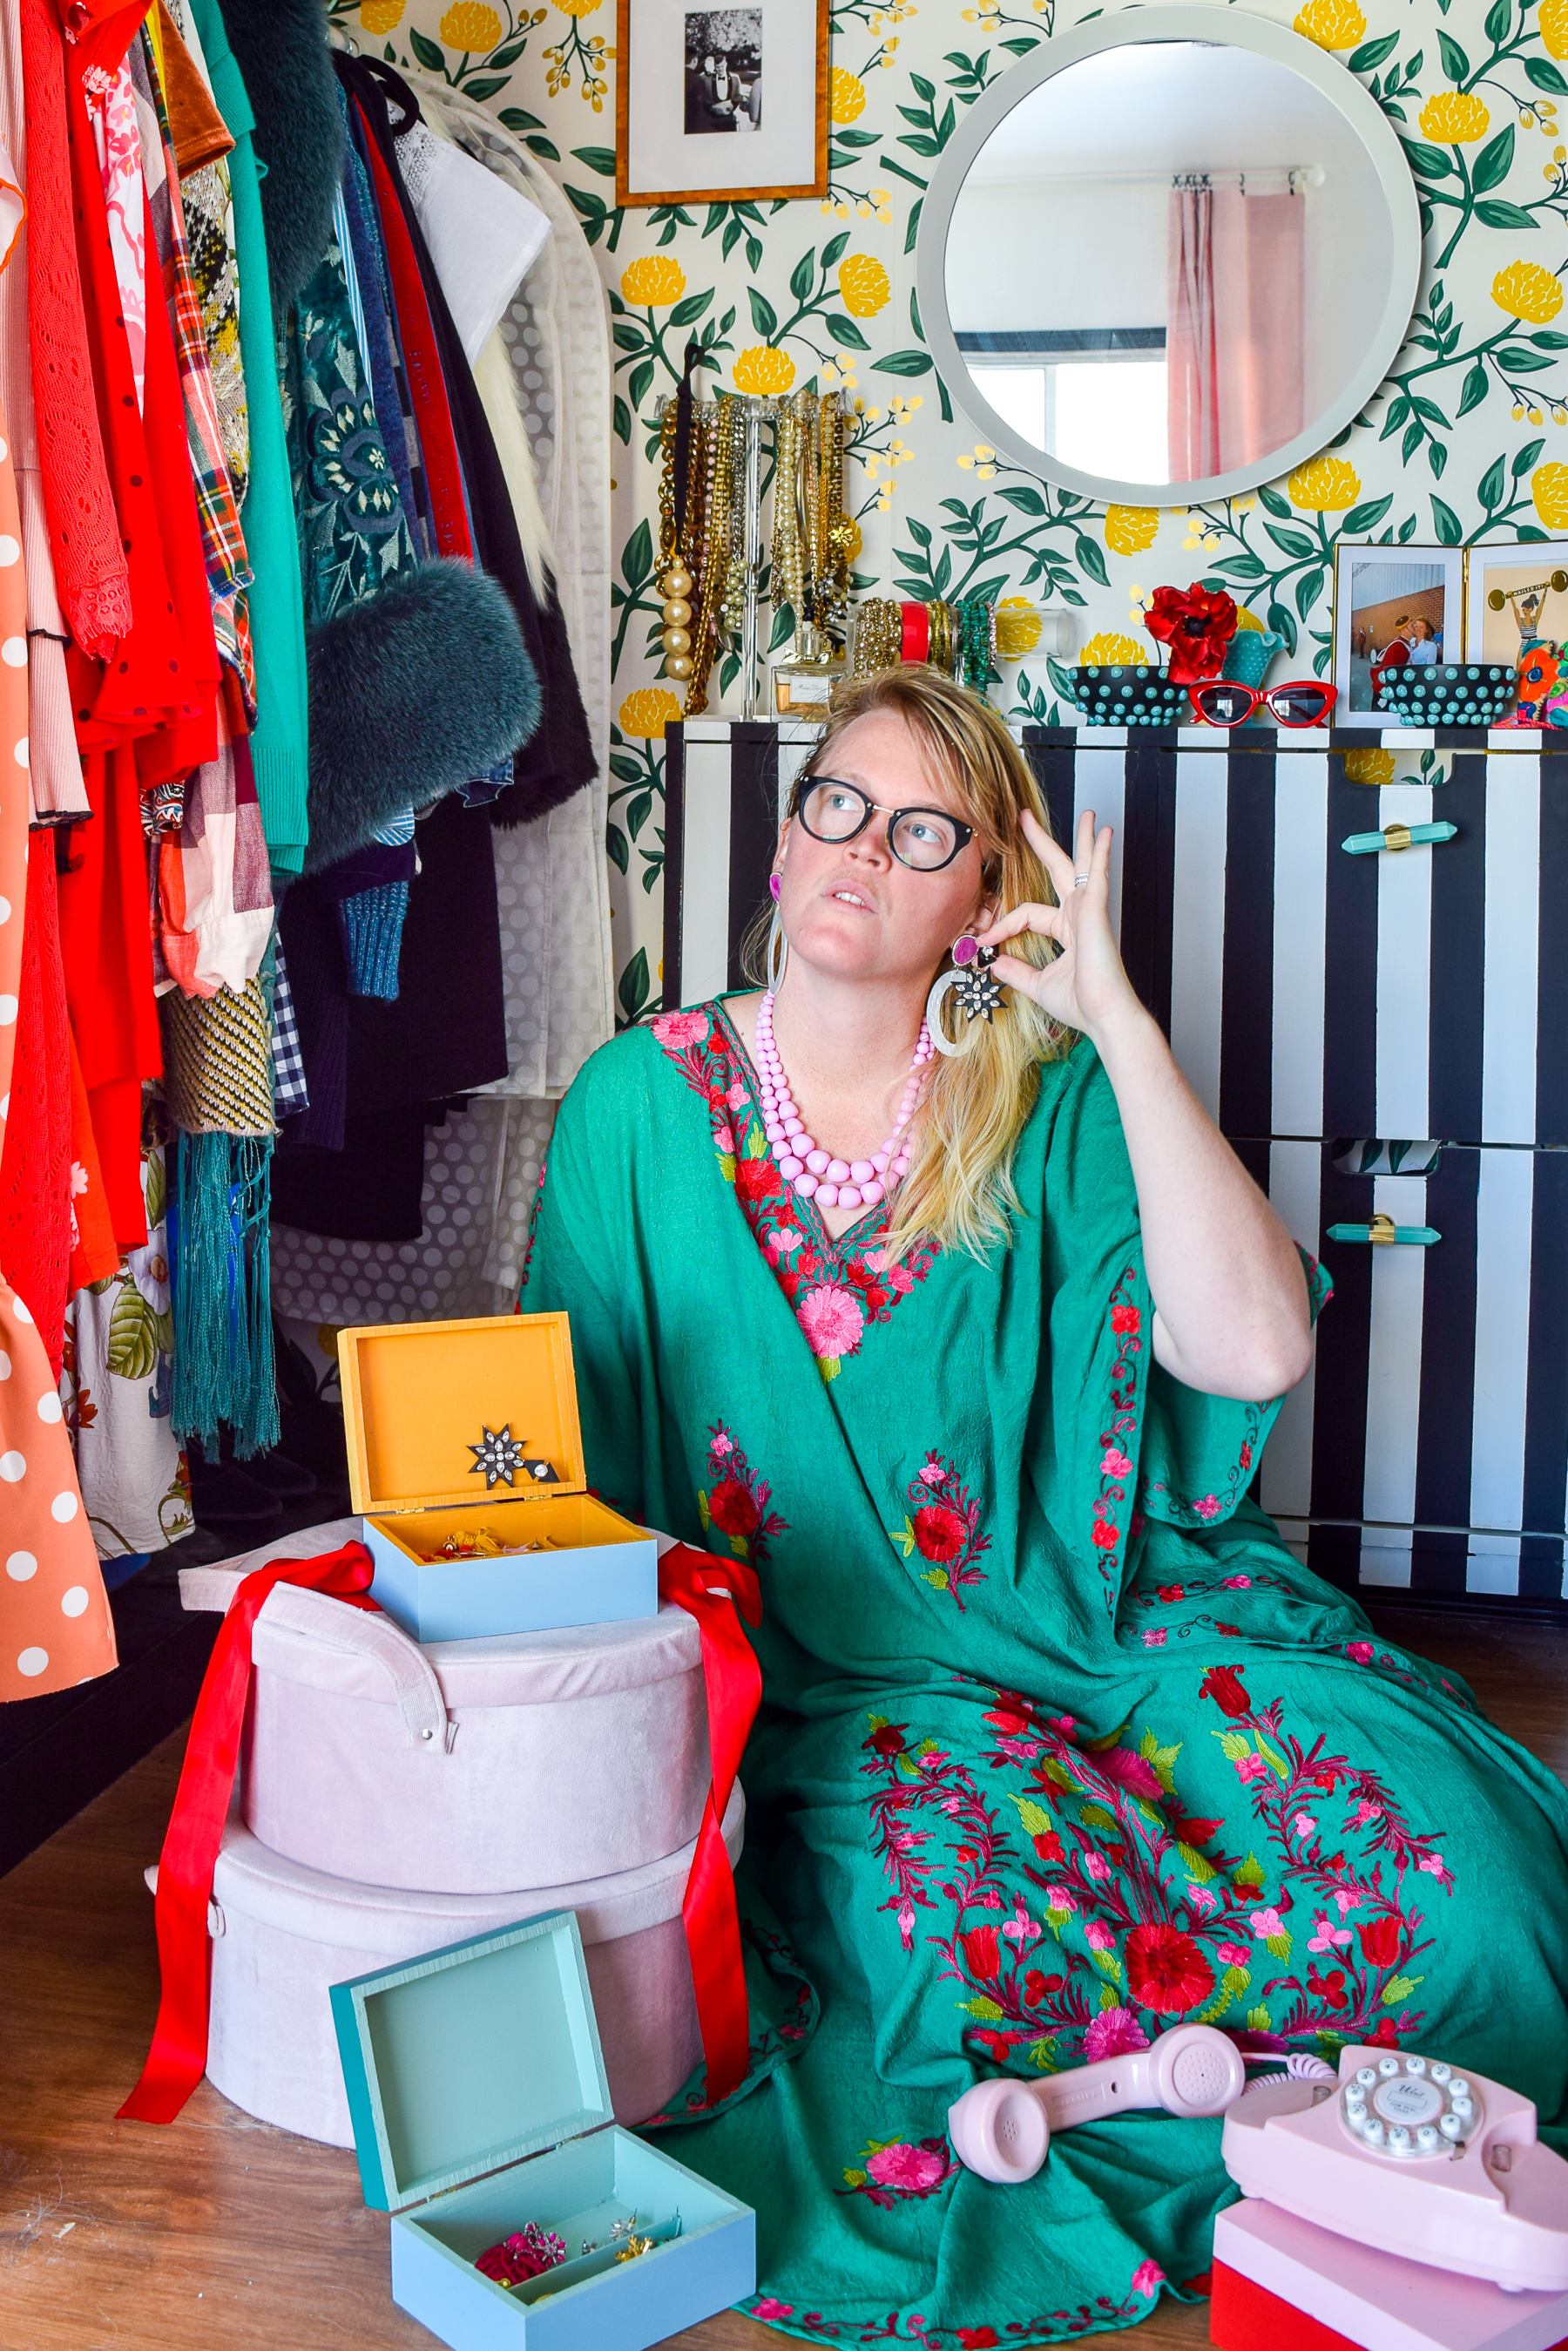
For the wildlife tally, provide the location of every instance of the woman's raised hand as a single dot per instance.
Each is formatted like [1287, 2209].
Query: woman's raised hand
[1085, 984]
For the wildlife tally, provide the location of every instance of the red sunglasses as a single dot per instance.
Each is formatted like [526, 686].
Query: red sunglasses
[1225, 702]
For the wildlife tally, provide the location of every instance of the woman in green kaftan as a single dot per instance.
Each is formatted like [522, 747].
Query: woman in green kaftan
[1060, 1746]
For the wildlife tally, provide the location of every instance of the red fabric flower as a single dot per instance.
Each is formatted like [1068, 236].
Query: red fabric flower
[1223, 1684]
[941, 1533]
[1380, 1939]
[1386, 2036]
[1048, 1845]
[888, 1740]
[1125, 1317]
[757, 1180]
[1169, 1592]
[978, 2338]
[1105, 1534]
[982, 1953]
[1166, 1969]
[733, 1510]
[1196, 624]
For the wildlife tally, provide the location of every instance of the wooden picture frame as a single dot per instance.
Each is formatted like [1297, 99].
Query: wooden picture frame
[1423, 583]
[786, 153]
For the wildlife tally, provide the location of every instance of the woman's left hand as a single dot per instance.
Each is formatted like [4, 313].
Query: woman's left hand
[1085, 986]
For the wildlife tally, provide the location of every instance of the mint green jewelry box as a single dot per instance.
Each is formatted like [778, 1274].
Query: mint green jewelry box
[478, 2095]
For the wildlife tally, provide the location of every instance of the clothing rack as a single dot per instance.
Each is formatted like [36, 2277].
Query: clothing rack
[1300, 176]
[764, 406]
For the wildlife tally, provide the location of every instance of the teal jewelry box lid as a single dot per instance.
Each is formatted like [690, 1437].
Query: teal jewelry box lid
[470, 2058]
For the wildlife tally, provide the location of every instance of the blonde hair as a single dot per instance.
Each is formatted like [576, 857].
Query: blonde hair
[959, 1192]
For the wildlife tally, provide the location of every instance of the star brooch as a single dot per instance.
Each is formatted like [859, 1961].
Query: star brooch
[499, 1456]
[977, 989]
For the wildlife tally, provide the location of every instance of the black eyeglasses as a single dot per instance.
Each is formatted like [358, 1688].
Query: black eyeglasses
[924, 838]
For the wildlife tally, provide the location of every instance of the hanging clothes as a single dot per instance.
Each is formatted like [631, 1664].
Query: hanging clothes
[56, 1628]
[280, 753]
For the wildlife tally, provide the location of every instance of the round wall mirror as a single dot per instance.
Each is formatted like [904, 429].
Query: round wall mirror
[1168, 255]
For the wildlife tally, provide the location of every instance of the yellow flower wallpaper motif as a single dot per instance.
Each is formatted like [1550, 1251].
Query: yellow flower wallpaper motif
[1525, 290]
[1375, 768]
[845, 95]
[381, 17]
[1332, 24]
[1017, 628]
[1551, 23]
[1549, 490]
[863, 283]
[1130, 529]
[652, 281]
[646, 713]
[470, 25]
[1110, 651]
[1323, 486]
[1455, 117]
[577, 8]
[763, 369]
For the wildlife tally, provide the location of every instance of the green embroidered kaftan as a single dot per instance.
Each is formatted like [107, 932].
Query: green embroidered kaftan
[1060, 1745]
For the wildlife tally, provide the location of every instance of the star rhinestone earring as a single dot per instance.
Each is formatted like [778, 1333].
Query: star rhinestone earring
[976, 989]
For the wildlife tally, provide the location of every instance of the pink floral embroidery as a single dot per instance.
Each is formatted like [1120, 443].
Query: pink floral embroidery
[942, 1523]
[1116, 1466]
[1147, 2278]
[836, 1288]
[737, 1502]
[900, 2170]
[1080, 1915]
[832, 1319]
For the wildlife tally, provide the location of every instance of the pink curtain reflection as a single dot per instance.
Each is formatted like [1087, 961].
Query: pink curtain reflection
[1233, 328]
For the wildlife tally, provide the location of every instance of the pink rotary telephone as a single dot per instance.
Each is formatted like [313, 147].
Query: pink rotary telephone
[1002, 2130]
[1415, 2158]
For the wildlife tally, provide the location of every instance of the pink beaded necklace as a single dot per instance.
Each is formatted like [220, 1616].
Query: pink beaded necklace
[813, 1173]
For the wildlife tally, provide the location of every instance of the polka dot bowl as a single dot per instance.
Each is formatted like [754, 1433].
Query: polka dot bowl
[1472, 693]
[1129, 696]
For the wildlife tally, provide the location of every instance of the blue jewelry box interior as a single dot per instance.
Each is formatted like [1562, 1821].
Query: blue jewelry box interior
[479, 2103]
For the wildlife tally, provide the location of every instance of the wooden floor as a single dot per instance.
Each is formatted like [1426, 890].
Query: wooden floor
[223, 2233]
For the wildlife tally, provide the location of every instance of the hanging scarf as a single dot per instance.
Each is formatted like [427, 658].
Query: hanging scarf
[91, 578]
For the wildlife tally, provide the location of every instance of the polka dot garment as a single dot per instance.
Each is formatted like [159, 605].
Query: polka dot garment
[55, 1623]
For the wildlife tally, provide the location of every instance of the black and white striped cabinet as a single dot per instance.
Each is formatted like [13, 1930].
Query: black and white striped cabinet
[1322, 1005]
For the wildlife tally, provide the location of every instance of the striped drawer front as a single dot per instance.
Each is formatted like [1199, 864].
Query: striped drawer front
[1429, 1445]
[1308, 992]
[725, 787]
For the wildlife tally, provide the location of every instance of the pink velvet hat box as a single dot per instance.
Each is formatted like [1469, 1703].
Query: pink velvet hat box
[461, 1429]
[462, 1767]
[282, 1935]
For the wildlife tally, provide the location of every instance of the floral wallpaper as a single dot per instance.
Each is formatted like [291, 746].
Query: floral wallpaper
[1465, 440]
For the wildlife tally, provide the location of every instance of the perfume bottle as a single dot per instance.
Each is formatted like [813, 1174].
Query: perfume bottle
[805, 679]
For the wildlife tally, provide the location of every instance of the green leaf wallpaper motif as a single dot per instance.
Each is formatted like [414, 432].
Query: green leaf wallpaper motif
[1465, 440]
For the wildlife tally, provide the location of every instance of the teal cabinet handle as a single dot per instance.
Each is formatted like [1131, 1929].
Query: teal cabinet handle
[1395, 837]
[1383, 1231]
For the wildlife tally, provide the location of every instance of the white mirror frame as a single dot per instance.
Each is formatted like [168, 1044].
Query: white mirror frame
[1221, 28]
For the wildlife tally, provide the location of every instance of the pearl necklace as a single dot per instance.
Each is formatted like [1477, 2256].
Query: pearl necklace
[813, 1172]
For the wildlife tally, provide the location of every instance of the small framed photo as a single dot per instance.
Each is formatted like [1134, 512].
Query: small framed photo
[1516, 594]
[1391, 605]
[719, 105]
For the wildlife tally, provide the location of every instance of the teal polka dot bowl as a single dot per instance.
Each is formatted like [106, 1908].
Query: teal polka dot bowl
[1129, 696]
[1455, 693]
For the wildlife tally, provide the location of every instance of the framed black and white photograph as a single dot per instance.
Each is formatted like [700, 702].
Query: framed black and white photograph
[1393, 606]
[720, 104]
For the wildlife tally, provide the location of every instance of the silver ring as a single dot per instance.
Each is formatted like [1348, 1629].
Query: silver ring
[1080, 880]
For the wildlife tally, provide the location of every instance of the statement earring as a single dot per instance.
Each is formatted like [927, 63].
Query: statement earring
[977, 990]
[778, 945]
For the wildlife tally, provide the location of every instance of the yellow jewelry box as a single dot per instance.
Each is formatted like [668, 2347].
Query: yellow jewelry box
[429, 1407]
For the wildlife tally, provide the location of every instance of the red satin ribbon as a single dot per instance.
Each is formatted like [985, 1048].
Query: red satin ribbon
[178, 2057]
[917, 632]
[710, 1589]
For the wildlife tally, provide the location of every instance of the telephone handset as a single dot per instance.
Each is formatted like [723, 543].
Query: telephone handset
[1413, 2156]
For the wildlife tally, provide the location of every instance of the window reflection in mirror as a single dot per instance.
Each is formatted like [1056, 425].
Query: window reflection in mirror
[1162, 263]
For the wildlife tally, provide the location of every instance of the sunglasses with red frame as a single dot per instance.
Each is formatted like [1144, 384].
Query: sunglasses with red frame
[1226, 702]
